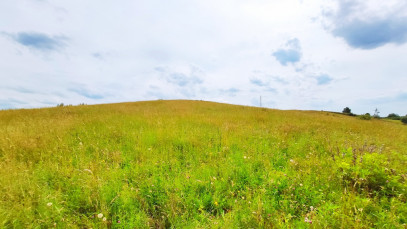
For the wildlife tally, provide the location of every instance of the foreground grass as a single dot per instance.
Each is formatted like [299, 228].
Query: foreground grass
[199, 165]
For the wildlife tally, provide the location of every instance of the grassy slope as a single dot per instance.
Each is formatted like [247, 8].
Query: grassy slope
[199, 164]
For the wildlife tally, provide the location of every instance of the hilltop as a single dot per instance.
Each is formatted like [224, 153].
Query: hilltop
[199, 164]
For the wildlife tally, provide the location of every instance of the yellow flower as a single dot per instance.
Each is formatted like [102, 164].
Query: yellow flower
[216, 203]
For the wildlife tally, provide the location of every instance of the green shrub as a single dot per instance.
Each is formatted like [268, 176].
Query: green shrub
[369, 174]
[365, 117]
[404, 119]
[394, 116]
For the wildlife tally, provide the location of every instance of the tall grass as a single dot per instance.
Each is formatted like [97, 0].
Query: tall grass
[196, 164]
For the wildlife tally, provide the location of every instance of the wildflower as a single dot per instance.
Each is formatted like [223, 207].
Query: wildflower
[311, 208]
[307, 220]
[100, 215]
[49, 204]
[104, 219]
[301, 185]
[245, 157]
[118, 221]
[216, 203]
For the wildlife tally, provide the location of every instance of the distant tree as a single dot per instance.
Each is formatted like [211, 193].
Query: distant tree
[346, 110]
[394, 116]
[404, 119]
[365, 116]
[376, 113]
[60, 105]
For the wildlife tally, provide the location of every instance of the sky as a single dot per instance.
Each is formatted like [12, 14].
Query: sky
[294, 54]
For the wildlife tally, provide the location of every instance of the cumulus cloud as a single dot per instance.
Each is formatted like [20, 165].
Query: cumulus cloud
[258, 82]
[323, 79]
[265, 86]
[10, 103]
[86, 93]
[182, 78]
[20, 89]
[400, 97]
[290, 54]
[39, 41]
[156, 92]
[373, 33]
[230, 91]
[226, 39]
[365, 28]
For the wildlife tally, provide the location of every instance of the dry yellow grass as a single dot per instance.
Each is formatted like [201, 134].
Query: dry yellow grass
[199, 164]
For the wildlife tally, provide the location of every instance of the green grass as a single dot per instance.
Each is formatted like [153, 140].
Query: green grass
[193, 164]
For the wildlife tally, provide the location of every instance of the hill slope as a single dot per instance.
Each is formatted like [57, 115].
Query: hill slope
[199, 164]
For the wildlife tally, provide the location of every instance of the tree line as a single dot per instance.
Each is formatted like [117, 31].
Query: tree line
[367, 116]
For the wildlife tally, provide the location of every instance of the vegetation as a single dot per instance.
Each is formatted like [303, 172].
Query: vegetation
[346, 110]
[365, 117]
[404, 119]
[193, 164]
[394, 116]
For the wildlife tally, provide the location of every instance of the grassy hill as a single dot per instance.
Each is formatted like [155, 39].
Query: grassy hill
[197, 164]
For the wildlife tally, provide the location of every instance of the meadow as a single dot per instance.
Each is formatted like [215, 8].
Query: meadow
[196, 164]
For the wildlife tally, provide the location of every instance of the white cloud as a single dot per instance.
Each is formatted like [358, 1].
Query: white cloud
[211, 50]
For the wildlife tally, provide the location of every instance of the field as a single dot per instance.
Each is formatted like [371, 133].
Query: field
[195, 164]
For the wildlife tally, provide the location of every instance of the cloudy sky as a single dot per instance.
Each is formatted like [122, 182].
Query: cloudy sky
[295, 54]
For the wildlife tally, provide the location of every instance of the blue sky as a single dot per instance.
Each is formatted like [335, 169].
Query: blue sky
[295, 54]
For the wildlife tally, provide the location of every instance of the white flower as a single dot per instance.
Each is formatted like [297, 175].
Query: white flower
[104, 219]
[100, 215]
[49, 204]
